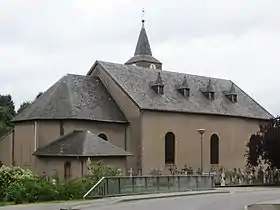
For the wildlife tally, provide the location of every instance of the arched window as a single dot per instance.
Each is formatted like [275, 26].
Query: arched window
[170, 148]
[214, 149]
[103, 136]
[67, 171]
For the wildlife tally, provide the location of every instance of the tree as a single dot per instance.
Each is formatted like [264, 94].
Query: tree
[23, 106]
[5, 121]
[6, 101]
[264, 146]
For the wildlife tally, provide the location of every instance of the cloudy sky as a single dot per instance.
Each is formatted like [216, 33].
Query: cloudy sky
[42, 40]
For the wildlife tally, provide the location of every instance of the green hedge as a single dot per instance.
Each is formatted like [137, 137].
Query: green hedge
[22, 186]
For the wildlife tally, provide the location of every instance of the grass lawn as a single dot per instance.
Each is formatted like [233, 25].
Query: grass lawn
[6, 203]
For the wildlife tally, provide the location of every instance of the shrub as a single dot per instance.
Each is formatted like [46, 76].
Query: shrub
[12, 176]
[97, 170]
[19, 185]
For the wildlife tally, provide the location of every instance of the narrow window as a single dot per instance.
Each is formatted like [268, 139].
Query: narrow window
[61, 128]
[103, 136]
[67, 171]
[214, 149]
[169, 148]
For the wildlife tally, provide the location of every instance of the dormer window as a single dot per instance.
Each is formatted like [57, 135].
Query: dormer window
[209, 92]
[231, 94]
[183, 88]
[158, 85]
[210, 95]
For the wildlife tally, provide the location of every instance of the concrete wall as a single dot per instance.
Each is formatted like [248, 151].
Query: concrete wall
[233, 135]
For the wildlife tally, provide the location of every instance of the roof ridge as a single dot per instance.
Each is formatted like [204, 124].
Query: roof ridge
[165, 71]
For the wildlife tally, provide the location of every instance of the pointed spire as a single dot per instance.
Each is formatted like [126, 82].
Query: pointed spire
[231, 93]
[158, 80]
[183, 88]
[143, 45]
[185, 83]
[143, 54]
[209, 87]
[232, 89]
[143, 18]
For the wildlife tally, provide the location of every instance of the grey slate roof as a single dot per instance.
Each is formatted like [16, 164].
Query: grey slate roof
[143, 46]
[135, 82]
[74, 97]
[81, 143]
[143, 50]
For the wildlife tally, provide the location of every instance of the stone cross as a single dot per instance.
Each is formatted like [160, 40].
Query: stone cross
[130, 172]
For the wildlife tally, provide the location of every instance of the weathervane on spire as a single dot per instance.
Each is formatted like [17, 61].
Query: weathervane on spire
[143, 17]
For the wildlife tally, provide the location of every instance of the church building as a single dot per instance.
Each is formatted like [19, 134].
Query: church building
[133, 115]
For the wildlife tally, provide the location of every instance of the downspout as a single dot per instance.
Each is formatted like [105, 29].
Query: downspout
[82, 167]
[125, 138]
[13, 148]
[35, 136]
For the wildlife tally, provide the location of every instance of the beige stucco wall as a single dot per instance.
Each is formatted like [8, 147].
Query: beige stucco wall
[130, 110]
[6, 149]
[24, 144]
[55, 165]
[233, 134]
[115, 132]
[49, 130]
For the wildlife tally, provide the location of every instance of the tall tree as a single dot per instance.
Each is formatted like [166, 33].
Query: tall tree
[7, 112]
[6, 101]
[23, 106]
[264, 146]
[5, 121]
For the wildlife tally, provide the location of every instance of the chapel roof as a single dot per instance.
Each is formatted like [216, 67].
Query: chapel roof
[135, 80]
[74, 97]
[81, 143]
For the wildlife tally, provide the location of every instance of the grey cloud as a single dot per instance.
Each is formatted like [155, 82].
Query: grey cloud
[40, 41]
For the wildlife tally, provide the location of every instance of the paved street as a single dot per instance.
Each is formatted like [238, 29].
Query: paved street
[235, 200]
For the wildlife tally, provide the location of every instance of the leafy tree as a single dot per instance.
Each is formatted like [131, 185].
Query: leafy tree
[5, 121]
[6, 101]
[7, 112]
[23, 106]
[254, 150]
[264, 146]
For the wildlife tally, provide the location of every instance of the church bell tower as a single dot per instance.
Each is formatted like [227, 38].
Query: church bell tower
[143, 54]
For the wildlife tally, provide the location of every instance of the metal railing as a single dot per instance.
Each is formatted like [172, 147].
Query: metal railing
[117, 186]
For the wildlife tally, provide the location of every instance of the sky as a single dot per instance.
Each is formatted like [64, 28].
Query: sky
[43, 40]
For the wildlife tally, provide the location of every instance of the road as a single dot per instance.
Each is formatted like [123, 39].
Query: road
[236, 200]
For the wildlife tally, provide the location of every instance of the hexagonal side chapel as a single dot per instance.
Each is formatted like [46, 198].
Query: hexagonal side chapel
[133, 115]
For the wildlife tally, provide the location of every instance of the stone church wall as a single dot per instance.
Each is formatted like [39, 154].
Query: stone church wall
[6, 149]
[233, 135]
[130, 110]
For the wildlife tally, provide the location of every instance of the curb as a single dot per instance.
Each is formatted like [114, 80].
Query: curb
[262, 206]
[170, 195]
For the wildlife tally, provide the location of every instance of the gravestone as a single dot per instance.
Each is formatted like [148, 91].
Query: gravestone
[130, 171]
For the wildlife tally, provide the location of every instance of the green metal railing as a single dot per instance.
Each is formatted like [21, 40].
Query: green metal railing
[117, 186]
